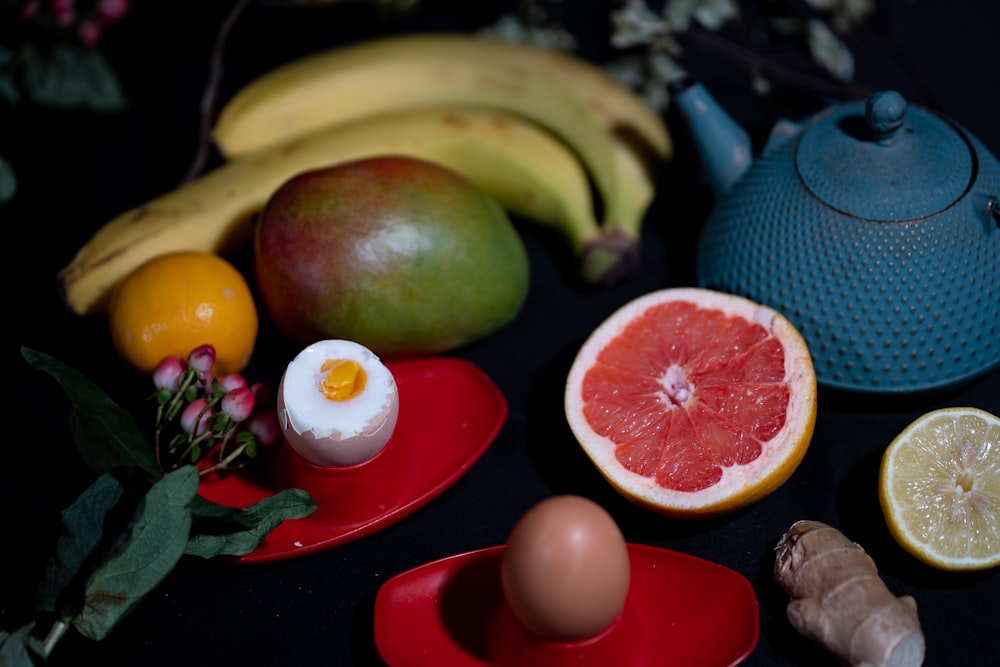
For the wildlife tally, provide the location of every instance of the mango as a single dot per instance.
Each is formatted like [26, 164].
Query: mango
[401, 255]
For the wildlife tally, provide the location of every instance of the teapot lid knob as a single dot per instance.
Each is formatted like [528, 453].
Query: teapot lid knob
[884, 112]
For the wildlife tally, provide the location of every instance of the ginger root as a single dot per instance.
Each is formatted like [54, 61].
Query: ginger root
[839, 600]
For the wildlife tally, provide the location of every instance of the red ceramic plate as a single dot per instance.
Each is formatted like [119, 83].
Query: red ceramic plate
[680, 610]
[449, 413]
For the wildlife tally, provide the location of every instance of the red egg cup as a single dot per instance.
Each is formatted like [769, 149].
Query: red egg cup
[510, 643]
[680, 610]
[449, 413]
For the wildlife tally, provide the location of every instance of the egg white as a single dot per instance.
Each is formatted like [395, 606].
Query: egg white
[336, 433]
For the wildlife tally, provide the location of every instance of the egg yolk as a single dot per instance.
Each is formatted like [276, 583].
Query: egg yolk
[344, 379]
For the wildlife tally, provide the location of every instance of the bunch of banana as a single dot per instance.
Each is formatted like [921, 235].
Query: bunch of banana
[530, 126]
[618, 137]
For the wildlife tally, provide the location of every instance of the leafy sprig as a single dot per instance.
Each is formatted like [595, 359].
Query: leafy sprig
[54, 60]
[647, 38]
[125, 533]
[198, 415]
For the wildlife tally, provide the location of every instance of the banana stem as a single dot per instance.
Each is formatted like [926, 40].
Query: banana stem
[609, 258]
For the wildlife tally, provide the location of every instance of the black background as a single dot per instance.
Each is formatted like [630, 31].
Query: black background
[78, 170]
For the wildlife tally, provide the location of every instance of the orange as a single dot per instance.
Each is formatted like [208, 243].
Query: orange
[939, 487]
[693, 402]
[177, 301]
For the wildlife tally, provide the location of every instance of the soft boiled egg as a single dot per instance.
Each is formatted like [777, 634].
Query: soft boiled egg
[337, 403]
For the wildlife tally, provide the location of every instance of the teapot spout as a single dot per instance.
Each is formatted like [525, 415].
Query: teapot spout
[724, 147]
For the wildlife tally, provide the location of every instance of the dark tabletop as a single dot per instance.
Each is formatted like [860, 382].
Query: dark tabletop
[77, 170]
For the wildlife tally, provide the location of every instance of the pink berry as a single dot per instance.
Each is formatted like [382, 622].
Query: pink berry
[64, 12]
[167, 374]
[238, 404]
[189, 420]
[202, 358]
[110, 11]
[262, 391]
[264, 425]
[233, 381]
[89, 33]
[30, 9]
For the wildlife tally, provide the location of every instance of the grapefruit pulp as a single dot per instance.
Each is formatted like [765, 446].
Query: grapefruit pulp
[693, 402]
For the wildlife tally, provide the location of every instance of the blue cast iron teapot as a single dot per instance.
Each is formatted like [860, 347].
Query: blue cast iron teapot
[874, 226]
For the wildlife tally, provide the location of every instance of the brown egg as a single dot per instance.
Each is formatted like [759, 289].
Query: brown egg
[565, 569]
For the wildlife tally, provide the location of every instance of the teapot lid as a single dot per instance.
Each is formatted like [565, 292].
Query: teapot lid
[880, 160]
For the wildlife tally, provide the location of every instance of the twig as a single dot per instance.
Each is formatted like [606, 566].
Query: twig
[754, 62]
[51, 639]
[893, 41]
[207, 108]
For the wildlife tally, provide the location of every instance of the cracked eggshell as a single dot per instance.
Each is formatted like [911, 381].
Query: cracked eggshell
[330, 432]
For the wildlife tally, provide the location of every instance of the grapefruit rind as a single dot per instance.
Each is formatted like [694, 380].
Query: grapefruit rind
[741, 485]
[919, 469]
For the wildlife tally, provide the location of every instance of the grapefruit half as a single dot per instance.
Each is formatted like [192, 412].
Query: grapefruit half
[693, 402]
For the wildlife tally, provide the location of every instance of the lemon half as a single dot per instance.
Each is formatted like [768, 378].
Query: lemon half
[939, 487]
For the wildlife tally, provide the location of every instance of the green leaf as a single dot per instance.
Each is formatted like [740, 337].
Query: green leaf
[228, 531]
[636, 24]
[8, 179]
[679, 14]
[152, 547]
[106, 435]
[713, 14]
[829, 51]
[70, 76]
[83, 528]
[15, 647]
[8, 85]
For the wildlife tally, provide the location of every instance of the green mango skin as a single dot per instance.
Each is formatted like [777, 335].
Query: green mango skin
[401, 255]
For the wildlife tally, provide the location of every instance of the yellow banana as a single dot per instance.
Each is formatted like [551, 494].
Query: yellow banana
[577, 100]
[617, 253]
[528, 170]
